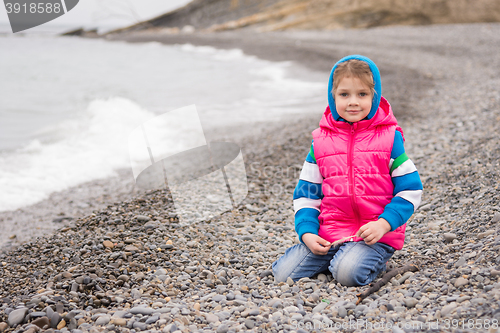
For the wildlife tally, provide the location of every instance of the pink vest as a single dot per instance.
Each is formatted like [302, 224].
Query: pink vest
[354, 162]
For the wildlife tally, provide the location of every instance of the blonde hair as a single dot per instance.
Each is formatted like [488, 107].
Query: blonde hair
[353, 68]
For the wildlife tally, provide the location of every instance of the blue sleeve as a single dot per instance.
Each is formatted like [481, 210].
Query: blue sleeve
[407, 186]
[307, 197]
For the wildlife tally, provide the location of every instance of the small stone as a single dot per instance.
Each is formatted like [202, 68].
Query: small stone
[342, 312]
[449, 237]
[123, 278]
[320, 307]
[289, 281]
[265, 273]
[249, 323]
[405, 277]
[254, 312]
[17, 316]
[496, 218]
[156, 305]
[262, 233]
[322, 277]
[130, 248]
[211, 318]
[108, 244]
[160, 271]
[197, 306]
[142, 218]
[460, 262]
[59, 308]
[140, 326]
[141, 310]
[3, 326]
[478, 301]
[222, 328]
[135, 294]
[102, 321]
[72, 324]
[152, 320]
[119, 321]
[486, 233]
[313, 298]
[410, 302]
[41, 322]
[461, 282]
[61, 324]
[218, 298]
[448, 309]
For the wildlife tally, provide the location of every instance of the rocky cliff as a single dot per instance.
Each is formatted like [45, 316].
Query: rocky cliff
[270, 15]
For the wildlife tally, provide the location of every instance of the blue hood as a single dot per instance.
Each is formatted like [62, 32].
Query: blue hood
[376, 79]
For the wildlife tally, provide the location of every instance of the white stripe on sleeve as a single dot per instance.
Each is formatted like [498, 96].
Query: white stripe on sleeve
[306, 203]
[414, 197]
[404, 169]
[310, 172]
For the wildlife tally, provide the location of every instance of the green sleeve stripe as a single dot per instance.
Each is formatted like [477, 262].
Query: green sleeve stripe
[399, 160]
[311, 152]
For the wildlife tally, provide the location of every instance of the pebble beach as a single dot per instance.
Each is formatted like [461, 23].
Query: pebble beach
[132, 266]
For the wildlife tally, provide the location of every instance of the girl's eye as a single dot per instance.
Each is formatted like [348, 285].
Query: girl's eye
[363, 94]
[343, 94]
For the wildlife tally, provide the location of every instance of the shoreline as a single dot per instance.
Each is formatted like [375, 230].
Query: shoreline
[134, 266]
[61, 208]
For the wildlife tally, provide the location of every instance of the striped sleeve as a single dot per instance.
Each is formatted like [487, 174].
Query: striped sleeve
[407, 186]
[307, 197]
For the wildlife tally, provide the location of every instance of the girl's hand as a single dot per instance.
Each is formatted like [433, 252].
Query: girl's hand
[316, 244]
[373, 231]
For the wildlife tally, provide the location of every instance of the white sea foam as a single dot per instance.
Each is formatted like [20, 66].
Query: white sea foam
[68, 105]
[94, 146]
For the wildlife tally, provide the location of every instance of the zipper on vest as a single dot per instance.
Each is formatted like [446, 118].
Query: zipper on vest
[350, 154]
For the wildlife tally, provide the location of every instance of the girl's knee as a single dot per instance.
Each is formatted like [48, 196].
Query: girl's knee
[279, 274]
[359, 264]
[349, 274]
[285, 265]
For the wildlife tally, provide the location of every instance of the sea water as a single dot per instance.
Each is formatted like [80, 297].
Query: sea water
[67, 105]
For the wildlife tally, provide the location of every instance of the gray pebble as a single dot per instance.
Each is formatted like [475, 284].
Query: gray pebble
[223, 328]
[449, 237]
[448, 309]
[342, 312]
[249, 323]
[17, 316]
[410, 302]
[142, 311]
[218, 298]
[140, 326]
[320, 307]
[461, 282]
[103, 320]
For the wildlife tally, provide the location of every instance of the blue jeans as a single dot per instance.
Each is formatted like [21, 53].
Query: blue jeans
[351, 263]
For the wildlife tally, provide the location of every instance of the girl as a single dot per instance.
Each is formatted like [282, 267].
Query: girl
[357, 187]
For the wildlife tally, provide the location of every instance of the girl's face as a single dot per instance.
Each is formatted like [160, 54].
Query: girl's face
[353, 99]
